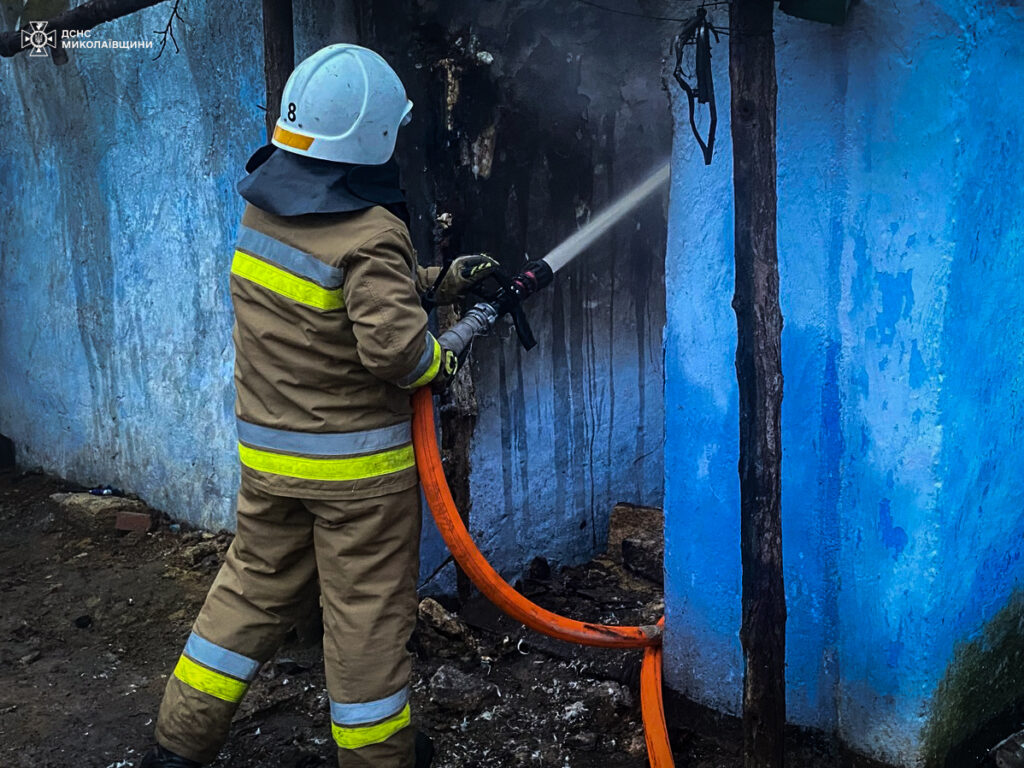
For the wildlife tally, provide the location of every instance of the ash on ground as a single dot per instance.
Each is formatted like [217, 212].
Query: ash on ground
[93, 619]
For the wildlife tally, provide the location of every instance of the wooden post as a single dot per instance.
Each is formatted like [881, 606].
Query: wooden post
[278, 54]
[759, 372]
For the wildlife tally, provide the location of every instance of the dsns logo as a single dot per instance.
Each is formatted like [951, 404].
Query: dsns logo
[38, 39]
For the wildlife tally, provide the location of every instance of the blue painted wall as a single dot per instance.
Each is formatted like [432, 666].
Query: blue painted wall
[118, 173]
[115, 321]
[900, 246]
[118, 177]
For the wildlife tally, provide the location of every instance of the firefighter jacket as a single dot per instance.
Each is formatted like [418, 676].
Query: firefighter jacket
[330, 340]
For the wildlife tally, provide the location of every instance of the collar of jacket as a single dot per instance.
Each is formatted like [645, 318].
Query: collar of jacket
[287, 184]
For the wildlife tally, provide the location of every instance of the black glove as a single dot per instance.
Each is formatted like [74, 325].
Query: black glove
[460, 277]
[451, 362]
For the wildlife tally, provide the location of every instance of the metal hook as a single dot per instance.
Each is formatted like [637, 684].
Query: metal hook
[699, 31]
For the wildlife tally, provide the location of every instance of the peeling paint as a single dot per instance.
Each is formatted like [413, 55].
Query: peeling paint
[483, 152]
[452, 90]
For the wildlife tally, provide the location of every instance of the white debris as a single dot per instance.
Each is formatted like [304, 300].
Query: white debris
[574, 710]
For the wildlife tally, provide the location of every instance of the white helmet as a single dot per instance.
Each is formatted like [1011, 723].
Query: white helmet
[345, 104]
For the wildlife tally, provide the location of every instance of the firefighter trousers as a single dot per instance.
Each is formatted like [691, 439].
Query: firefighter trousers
[366, 553]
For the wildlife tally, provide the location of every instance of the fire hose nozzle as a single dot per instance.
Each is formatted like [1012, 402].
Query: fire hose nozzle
[481, 317]
[531, 278]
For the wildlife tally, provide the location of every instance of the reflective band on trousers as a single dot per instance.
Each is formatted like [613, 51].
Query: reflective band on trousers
[426, 368]
[277, 280]
[221, 659]
[208, 681]
[215, 670]
[351, 468]
[348, 737]
[369, 711]
[325, 443]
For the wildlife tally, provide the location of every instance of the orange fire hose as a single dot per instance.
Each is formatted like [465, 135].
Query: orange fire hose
[499, 592]
[652, 708]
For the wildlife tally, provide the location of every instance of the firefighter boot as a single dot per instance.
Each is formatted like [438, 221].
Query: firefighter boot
[158, 757]
[424, 750]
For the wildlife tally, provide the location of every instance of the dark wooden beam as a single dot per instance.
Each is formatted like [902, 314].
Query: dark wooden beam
[278, 54]
[759, 372]
[85, 16]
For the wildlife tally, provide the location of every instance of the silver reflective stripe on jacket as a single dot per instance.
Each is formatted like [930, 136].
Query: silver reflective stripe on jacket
[325, 443]
[296, 261]
[425, 361]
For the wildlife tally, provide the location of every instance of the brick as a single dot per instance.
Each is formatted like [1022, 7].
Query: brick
[629, 521]
[644, 557]
[133, 521]
[97, 506]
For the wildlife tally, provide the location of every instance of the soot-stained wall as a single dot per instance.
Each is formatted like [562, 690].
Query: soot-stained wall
[900, 247]
[529, 117]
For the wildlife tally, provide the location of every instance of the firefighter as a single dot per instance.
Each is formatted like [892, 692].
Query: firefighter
[330, 340]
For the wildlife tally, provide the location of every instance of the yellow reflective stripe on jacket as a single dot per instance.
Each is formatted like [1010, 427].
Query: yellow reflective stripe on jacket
[206, 680]
[431, 372]
[349, 737]
[285, 283]
[348, 468]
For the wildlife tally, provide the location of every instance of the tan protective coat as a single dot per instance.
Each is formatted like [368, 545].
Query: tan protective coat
[330, 340]
[301, 368]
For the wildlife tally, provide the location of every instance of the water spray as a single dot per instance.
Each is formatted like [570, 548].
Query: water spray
[538, 274]
[579, 241]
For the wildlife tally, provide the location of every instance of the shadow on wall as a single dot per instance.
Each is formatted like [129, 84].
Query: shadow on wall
[7, 455]
[980, 700]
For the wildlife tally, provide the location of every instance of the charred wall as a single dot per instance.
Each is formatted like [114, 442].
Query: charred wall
[530, 116]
